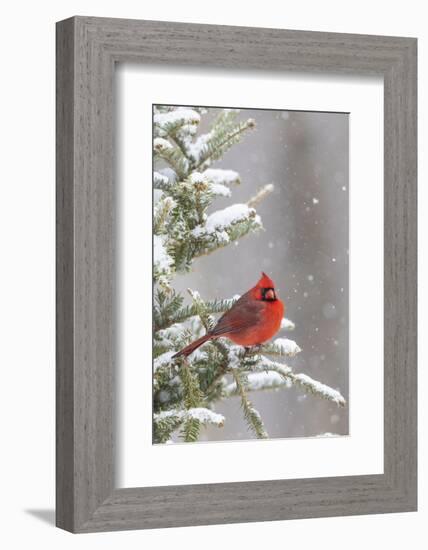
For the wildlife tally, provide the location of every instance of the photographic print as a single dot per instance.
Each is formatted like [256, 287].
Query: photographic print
[250, 274]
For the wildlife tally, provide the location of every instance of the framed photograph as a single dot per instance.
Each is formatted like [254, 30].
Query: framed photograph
[236, 274]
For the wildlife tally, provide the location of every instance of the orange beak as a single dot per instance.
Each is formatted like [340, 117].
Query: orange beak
[270, 294]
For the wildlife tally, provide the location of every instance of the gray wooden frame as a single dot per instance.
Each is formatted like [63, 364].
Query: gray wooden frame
[87, 50]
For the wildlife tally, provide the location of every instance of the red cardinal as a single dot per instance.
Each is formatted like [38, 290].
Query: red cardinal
[252, 320]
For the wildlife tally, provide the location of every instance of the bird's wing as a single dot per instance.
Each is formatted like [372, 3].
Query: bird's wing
[245, 313]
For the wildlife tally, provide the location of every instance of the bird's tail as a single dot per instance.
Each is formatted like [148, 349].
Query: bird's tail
[191, 347]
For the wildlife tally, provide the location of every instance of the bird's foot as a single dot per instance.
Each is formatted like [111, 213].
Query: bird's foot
[256, 348]
[251, 350]
[247, 350]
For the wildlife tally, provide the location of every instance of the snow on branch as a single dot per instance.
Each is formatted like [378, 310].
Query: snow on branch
[186, 312]
[262, 365]
[222, 219]
[163, 360]
[225, 133]
[161, 213]
[165, 150]
[161, 181]
[206, 318]
[304, 381]
[281, 347]
[168, 123]
[261, 195]
[219, 190]
[259, 381]
[160, 145]
[162, 261]
[286, 324]
[222, 177]
[166, 422]
[205, 184]
[223, 226]
[317, 388]
[203, 415]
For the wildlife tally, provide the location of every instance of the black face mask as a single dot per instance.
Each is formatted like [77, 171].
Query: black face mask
[268, 294]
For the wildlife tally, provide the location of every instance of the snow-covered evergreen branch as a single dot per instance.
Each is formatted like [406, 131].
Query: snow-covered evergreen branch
[252, 416]
[166, 422]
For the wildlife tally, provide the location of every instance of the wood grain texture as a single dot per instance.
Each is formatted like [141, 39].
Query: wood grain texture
[64, 276]
[87, 50]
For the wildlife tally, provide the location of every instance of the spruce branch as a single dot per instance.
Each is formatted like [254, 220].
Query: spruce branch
[223, 136]
[161, 213]
[161, 182]
[223, 227]
[211, 307]
[265, 374]
[318, 388]
[168, 310]
[252, 416]
[282, 347]
[191, 390]
[169, 123]
[163, 149]
[165, 307]
[201, 309]
[305, 382]
[166, 422]
[258, 381]
[162, 261]
[179, 315]
[192, 399]
[261, 194]
[220, 176]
